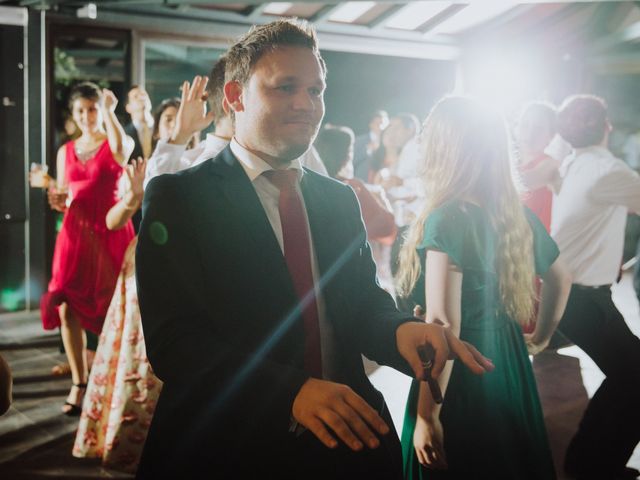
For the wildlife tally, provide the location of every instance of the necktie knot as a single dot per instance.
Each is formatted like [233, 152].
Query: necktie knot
[285, 180]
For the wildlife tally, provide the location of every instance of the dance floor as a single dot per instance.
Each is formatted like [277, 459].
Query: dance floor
[36, 439]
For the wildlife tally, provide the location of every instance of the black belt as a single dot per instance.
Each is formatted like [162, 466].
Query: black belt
[606, 286]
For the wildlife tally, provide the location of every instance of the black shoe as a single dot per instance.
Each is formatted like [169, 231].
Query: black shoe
[75, 409]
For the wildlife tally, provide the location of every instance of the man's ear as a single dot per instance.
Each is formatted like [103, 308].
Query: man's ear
[233, 96]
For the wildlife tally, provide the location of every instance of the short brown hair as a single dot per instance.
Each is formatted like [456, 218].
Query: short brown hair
[582, 120]
[245, 53]
[333, 144]
[215, 89]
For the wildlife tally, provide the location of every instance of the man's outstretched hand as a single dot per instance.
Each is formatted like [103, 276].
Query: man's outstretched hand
[412, 335]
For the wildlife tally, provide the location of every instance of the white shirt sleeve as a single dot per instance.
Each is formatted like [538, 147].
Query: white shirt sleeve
[619, 186]
[170, 158]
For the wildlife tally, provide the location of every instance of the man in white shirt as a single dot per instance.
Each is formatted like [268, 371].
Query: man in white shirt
[173, 156]
[588, 222]
[368, 143]
[258, 295]
[400, 178]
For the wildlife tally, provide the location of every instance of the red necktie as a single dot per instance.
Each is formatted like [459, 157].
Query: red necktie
[297, 254]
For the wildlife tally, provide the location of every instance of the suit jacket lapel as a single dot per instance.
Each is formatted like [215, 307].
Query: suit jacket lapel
[252, 227]
[317, 210]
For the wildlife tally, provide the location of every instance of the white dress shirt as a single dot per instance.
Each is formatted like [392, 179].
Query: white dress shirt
[590, 213]
[269, 196]
[172, 158]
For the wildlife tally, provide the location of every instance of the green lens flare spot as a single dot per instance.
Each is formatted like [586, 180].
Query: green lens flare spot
[158, 233]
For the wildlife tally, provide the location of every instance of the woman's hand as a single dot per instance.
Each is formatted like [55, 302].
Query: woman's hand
[135, 173]
[108, 100]
[57, 199]
[428, 442]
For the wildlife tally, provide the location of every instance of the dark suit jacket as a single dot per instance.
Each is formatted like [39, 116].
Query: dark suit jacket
[223, 332]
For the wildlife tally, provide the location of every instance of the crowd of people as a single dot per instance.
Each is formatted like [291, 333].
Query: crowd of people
[273, 253]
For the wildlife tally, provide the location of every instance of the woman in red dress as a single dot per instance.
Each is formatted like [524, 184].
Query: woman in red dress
[87, 255]
[538, 171]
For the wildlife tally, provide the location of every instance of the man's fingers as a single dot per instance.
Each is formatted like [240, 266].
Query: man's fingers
[203, 88]
[486, 363]
[336, 423]
[365, 411]
[441, 347]
[320, 431]
[184, 93]
[461, 351]
[358, 425]
[194, 88]
[413, 359]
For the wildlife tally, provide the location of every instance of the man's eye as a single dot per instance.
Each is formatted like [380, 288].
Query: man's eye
[286, 88]
[316, 92]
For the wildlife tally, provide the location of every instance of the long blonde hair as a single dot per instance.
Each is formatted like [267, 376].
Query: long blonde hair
[465, 154]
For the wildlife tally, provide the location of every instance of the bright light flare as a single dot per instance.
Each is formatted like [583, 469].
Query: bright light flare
[503, 79]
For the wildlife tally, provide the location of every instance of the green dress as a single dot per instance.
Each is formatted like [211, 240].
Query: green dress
[493, 424]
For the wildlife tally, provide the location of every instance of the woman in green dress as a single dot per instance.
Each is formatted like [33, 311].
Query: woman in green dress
[471, 258]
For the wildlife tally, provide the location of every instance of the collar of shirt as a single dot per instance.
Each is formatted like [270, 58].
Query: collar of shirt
[254, 166]
[214, 145]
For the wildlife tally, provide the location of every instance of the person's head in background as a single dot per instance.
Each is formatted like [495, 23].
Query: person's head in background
[583, 121]
[379, 121]
[223, 122]
[402, 128]
[274, 85]
[335, 146]
[164, 120]
[535, 128]
[84, 105]
[138, 105]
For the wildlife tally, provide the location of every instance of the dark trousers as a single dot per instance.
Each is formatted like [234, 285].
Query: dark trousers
[610, 427]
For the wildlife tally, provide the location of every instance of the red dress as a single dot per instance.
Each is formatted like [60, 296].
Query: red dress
[87, 256]
[539, 200]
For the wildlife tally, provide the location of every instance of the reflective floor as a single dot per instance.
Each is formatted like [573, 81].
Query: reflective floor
[36, 439]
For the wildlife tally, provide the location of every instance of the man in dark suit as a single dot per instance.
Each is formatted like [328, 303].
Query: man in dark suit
[258, 295]
[138, 106]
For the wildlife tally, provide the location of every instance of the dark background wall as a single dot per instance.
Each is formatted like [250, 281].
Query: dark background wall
[358, 84]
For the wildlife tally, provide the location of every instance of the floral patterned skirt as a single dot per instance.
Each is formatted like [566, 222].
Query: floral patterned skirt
[122, 390]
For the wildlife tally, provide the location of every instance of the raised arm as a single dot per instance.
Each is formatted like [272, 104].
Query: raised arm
[121, 212]
[172, 156]
[118, 141]
[544, 174]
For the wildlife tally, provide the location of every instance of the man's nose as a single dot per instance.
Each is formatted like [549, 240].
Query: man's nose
[303, 100]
